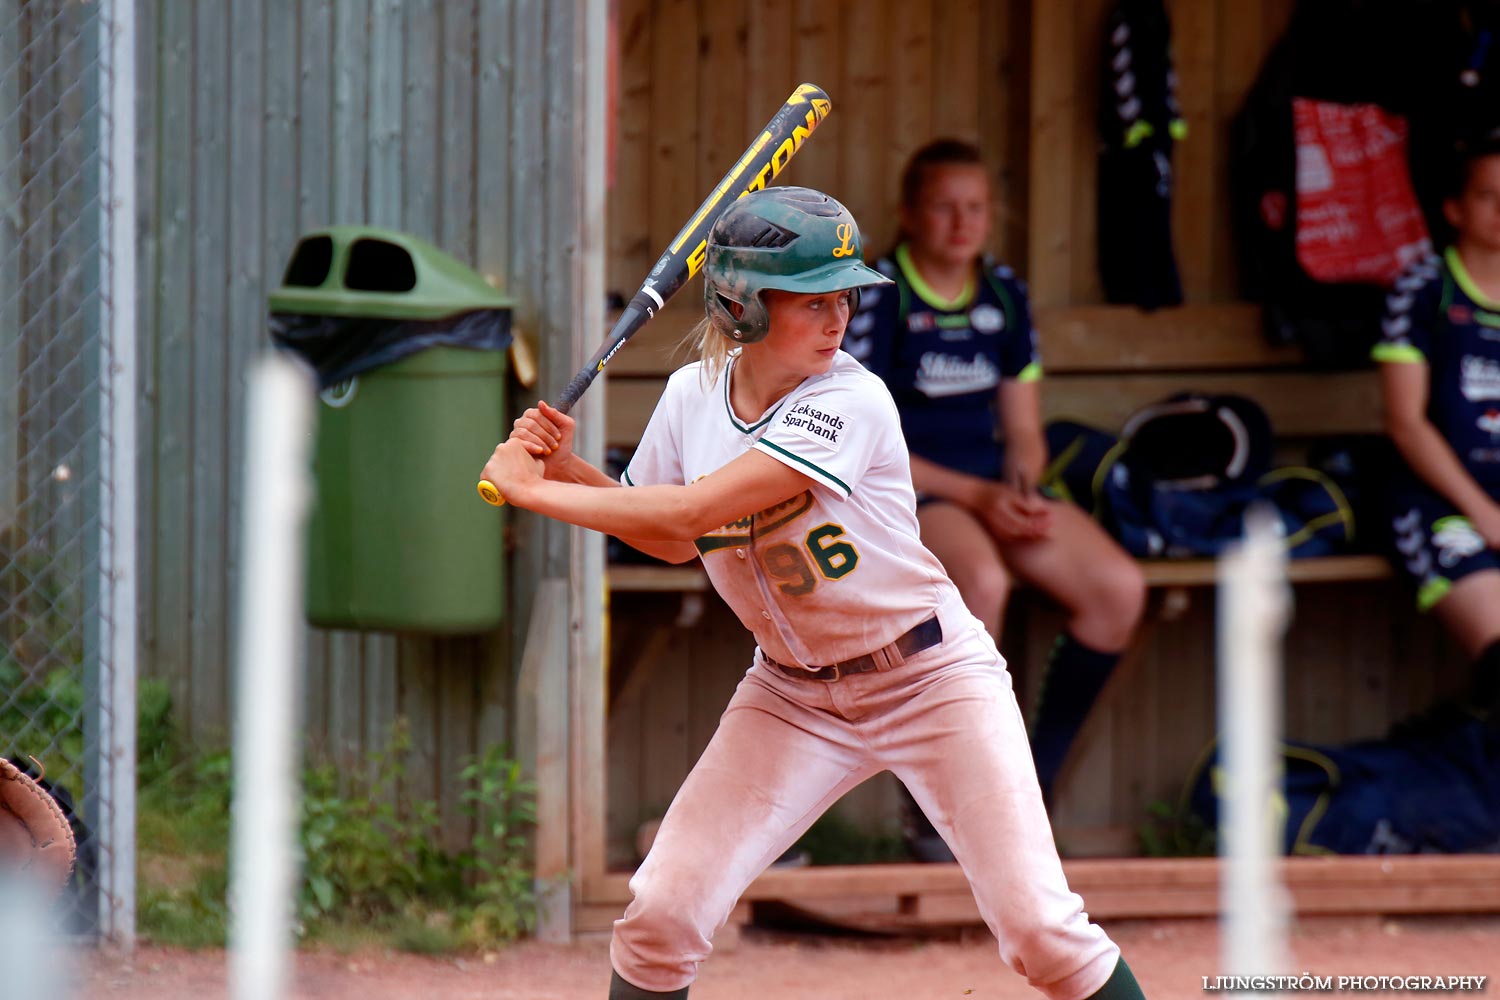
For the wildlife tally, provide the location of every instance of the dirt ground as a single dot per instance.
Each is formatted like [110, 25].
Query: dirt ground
[1169, 957]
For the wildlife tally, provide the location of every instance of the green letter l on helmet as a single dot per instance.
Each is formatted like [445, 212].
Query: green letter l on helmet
[792, 239]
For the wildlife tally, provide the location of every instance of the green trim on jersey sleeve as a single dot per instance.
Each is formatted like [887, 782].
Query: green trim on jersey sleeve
[626, 476]
[822, 474]
[924, 290]
[1398, 353]
[1461, 275]
[1031, 373]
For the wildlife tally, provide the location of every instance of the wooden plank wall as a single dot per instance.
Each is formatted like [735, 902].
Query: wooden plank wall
[697, 80]
[258, 122]
[1218, 46]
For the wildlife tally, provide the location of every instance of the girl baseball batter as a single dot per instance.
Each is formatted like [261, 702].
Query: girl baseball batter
[778, 460]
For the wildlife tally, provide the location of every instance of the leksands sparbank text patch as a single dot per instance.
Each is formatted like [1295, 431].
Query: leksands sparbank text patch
[815, 424]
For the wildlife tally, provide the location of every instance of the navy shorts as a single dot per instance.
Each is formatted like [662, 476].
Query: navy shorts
[1434, 544]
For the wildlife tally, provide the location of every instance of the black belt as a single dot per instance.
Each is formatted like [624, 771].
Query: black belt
[923, 635]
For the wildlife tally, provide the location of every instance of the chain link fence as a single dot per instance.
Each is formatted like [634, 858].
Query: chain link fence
[67, 483]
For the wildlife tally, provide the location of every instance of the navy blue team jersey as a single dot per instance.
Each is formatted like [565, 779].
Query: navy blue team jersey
[1436, 314]
[943, 361]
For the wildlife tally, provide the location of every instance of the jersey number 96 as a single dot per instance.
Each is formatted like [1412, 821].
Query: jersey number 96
[792, 565]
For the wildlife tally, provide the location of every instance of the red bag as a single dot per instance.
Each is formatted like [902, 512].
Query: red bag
[1357, 216]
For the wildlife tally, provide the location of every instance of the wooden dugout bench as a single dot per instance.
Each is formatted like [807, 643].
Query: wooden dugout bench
[1101, 364]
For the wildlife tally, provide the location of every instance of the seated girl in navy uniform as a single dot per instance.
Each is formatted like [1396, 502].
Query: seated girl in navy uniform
[952, 338]
[1440, 374]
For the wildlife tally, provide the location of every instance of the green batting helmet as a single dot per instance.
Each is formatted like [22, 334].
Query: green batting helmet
[793, 239]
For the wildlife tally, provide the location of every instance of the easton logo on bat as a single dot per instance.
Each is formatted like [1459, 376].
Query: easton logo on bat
[768, 172]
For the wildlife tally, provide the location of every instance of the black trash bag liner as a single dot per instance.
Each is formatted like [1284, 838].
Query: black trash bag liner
[341, 347]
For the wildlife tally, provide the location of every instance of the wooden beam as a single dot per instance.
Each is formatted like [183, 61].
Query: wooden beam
[1137, 887]
[1075, 339]
[584, 689]
[1188, 338]
[690, 578]
[1321, 569]
[543, 727]
[687, 578]
[1299, 404]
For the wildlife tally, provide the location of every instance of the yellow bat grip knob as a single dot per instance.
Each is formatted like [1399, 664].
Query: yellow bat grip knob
[490, 494]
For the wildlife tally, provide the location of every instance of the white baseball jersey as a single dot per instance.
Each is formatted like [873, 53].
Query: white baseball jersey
[837, 571]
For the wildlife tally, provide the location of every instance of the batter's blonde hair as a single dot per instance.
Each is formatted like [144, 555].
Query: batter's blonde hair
[709, 346]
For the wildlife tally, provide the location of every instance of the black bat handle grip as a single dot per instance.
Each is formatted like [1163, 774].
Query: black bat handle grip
[576, 388]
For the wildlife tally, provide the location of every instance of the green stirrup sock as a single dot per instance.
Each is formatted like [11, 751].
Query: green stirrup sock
[1120, 985]
[619, 989]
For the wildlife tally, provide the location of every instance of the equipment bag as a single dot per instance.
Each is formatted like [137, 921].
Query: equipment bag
[1178, 482]
[1432, 786]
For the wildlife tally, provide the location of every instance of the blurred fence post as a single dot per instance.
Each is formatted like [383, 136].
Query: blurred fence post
[268, 680]
[1254, 606]
[117, 443]
[67, 435]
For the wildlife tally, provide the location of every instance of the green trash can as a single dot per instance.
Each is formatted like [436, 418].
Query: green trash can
[409, 346]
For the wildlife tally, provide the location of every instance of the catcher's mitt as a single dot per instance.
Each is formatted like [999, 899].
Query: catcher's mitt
[35, 838]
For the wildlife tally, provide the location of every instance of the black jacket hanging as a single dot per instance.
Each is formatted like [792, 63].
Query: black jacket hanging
[1139, 122]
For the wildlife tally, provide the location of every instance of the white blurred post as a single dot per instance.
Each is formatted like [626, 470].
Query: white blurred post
[1253, 609]
[117, 458]
[267, 736]
[31, 926]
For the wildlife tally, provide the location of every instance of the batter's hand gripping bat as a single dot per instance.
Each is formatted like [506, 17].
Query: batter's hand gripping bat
[767, 156]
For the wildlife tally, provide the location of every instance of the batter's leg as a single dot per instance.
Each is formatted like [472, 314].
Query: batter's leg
[959, 744]
[775, 764]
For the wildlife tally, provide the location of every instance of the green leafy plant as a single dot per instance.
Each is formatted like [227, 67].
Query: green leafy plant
[834, 840]
[158, 748]
[182, 836]
[498, 865]
[374, 871]
[41, 659]
[43, 715]
[363, 860]
[369, 862]
[1175, 832]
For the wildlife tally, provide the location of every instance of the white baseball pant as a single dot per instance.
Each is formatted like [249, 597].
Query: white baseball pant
[946, 722]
